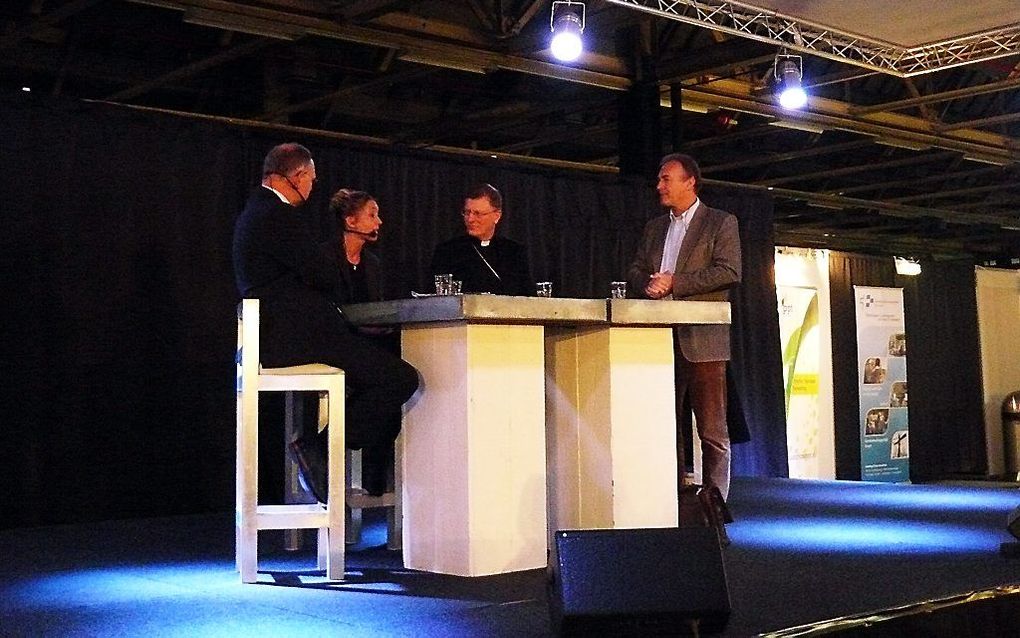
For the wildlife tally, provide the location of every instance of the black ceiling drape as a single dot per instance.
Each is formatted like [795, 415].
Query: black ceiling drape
[119, 296]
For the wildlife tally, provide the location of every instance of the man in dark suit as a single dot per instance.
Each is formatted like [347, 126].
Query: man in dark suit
[278, 260]
[693, 253]
[479, 259]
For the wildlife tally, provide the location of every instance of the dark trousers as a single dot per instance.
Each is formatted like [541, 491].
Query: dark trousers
[704, 385]
[378, 383]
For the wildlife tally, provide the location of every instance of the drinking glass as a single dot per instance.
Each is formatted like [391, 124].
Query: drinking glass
[443, 284]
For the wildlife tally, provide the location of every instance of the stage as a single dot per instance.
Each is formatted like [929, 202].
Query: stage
[802, 552]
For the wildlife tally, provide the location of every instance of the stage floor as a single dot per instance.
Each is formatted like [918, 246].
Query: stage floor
[801, 552]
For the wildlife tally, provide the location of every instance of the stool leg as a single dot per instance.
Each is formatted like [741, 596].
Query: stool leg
[292, 492]
[336, 496]
[322, 553]
[246, 522]
[394, 515]
[353, 516]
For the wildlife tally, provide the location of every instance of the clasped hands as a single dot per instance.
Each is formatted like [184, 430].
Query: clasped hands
[660, 284]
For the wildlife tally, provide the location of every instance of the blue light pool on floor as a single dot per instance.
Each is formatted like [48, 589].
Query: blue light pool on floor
[856, 536]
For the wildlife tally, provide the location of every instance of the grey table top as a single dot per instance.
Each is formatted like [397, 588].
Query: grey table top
[537, 310]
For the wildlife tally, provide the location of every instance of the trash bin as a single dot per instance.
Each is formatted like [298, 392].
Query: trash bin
[1011, 434]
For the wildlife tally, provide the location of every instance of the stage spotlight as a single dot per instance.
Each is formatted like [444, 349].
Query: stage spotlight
[789, 72]
[566, 21]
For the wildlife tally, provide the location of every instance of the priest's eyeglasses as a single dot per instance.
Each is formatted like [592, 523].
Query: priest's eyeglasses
[466, 213]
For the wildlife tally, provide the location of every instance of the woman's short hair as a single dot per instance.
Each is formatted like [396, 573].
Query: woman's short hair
[346, 202]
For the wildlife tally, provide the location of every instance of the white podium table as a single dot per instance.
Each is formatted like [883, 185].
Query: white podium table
[472, 449]
[611, 415]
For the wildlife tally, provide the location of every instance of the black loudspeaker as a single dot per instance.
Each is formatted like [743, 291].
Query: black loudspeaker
[1014, 524]
[637, 582]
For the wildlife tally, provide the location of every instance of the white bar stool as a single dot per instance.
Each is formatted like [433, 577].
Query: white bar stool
[250, 517]
[356, 498]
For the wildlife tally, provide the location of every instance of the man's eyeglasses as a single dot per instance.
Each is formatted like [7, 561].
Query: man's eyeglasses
[476, 213]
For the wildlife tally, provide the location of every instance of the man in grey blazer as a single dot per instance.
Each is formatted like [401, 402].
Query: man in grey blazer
[693, 253]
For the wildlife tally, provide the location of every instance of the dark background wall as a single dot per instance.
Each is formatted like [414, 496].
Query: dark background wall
[117, 361]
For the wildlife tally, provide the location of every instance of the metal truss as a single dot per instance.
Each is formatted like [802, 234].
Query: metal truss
[764, 25]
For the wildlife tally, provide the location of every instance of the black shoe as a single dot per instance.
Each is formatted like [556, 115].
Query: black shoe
[375, 464]
[310, 457]
[716, 512]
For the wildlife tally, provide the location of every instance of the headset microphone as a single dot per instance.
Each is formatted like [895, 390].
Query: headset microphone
[372, 235]
[292, 185]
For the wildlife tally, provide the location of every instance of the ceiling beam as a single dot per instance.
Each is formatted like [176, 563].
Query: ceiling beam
[710, 60]
[827, 149]
[566, 132]
[228, 55]
[382, 80]
[944, 96]
[526, 16]
[860, 168]
[763, 130]
[1011, 202]
[363, 10]
[917, 181]
[941, 194]
[978, 123]
[59, 14]
[831, 114]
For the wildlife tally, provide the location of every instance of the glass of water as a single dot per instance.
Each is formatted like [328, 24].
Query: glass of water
[444, 283]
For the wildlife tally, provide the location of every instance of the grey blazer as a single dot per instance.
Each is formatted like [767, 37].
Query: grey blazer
[707, 266]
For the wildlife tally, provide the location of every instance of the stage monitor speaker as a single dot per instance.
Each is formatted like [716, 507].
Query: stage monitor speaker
[1014, 524]
[638, 582]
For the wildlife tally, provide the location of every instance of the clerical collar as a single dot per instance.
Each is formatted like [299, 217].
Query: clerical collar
[484, 242]
[684, 214]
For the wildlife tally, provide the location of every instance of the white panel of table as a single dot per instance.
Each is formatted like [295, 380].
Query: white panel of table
[473, 456]
[611, 417]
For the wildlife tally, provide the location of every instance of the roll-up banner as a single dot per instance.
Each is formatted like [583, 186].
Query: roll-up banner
[882, 379]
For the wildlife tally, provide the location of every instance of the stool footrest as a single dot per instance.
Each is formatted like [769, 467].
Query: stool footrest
[296, 383]
[359, 499]
[291, 516]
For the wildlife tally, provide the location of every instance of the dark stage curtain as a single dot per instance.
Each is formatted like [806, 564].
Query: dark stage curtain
[943, 365]
[118, 354]
[755, 395]
[947, 434]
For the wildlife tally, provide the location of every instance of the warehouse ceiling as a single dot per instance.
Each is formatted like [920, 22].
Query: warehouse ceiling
[909, 145]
